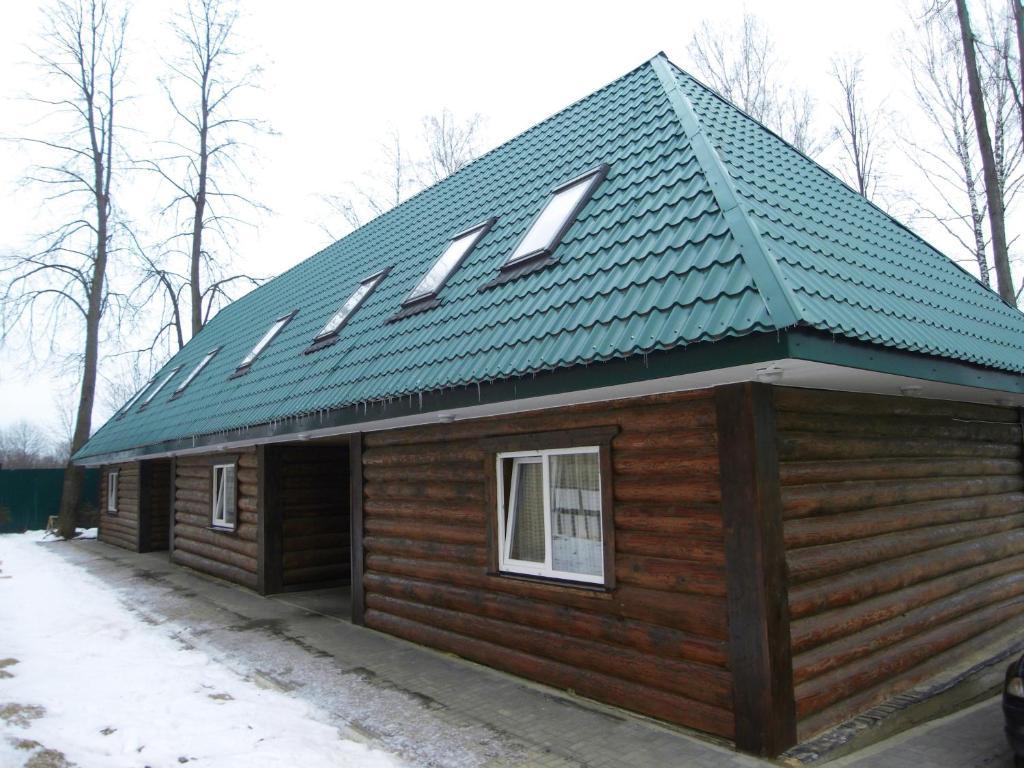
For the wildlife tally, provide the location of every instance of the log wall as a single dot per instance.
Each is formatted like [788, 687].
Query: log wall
[656, 643]
[230, 555]
[904, 541]
[122, 529]
[314, 499]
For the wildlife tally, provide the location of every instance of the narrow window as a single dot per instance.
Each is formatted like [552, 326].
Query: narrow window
[262, 344]
[550, 519]
[128, 406]
[424, 295]
[329, 333]
[558, 214]
[112, 491]
[158, 387]
[224, 515]
[195, 372]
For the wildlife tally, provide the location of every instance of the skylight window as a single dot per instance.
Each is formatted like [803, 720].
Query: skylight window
[329, 333]
[558, 214]
[262, 344]
[458, 248]
[158, 387]
[128, 406]
[195, 372]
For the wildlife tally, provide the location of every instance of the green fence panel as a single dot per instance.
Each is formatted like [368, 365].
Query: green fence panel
[30, 496]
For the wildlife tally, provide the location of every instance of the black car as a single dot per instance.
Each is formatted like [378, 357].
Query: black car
[1013, 708]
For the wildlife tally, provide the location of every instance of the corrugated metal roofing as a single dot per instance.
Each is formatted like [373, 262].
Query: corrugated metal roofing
[651, 263]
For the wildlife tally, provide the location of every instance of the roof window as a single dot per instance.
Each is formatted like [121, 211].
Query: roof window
[424, 295]
[329, 333]
[158, 387]
[262, 344]
[195, 372]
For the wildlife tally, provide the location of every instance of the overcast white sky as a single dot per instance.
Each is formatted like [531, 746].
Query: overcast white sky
[340, 75]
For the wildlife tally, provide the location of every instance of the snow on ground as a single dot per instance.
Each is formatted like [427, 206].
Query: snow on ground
[84, 681]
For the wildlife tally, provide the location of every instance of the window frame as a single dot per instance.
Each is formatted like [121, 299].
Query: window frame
[135, 398]
[221, 523]
[159, 387]
[325, 338]
[257, 351]
[194, 373]
[412, 305]
[542, 257]
[113, 477]
[498, 450]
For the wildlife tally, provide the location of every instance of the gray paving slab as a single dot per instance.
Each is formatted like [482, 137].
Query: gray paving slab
[430, 708]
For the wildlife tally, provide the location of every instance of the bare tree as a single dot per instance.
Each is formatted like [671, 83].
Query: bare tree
[745, 69]
[949, 165]
[996, 213]
[203, 169]
[449, 144]
[81, 52]
[25, 446]
[857, 130]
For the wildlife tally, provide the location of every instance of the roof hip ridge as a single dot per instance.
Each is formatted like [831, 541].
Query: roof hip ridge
[782, 305]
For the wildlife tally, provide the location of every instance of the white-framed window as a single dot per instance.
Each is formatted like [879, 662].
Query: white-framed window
[224, 496]
[112, 476]
[161, 385]
[550, 520]
[557, 215]
[196, 371]
[339, 318]
[263, 343]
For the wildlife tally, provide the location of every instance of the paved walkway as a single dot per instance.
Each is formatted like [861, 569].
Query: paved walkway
[430, 708]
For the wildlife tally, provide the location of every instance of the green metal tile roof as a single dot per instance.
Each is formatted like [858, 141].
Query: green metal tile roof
[708, 226]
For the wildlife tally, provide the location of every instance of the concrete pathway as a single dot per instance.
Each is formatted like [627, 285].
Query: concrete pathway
[430, 708]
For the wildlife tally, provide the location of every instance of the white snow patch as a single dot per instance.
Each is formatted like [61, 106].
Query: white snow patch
[118, 691]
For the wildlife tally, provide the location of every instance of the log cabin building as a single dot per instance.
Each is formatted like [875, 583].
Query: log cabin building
[643, 403]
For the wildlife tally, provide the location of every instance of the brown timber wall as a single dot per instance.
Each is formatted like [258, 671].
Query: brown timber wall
[122, 529]
[904, 541]
[314, 499]
[230, 555]
[656, 644]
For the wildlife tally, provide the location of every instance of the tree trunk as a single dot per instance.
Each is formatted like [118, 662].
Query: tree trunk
[1000, 254]
[200, 201]
[1018, 18]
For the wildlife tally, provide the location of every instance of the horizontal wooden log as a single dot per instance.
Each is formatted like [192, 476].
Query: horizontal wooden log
[193, 472]
[471, 513]
[671, 575]
[419, 455]
[203, 497]
[310, 558]
[425, 489]
[612, 690]
[647, 638]
[694, 681]
[664, 462]
[830, 498]
[220, 570]
[247, 459]
[248, 490]
[449, 472]
[820, 401]
[426, 550]
[699, 615]
[693, 443]
[666, 488]
[829, 529]
[337, 541]
[250, 476]
[848, 588]
[818, 562]
[824, 690]
[806, 446]
[124, 542]
[643, 414]
[923, 618]
[679, 548]
[311, 526]
[814, 630]
[198, 484]
[988, 642]
[868, 425]
[426, 531]
[812, 472]
[701, 526]
[214, 554]
[219, 540]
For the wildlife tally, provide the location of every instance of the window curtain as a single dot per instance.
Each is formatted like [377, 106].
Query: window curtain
[576, 513]
[528, 516]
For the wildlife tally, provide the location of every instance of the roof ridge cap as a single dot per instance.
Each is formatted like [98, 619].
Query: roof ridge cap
[764, 268]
